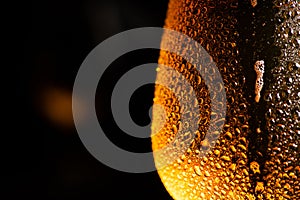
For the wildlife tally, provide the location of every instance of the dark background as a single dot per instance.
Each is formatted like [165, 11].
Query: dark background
[49, 161]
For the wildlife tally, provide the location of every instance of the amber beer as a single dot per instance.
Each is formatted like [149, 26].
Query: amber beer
[257, 153]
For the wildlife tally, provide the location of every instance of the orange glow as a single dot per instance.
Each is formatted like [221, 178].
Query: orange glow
[56, 104]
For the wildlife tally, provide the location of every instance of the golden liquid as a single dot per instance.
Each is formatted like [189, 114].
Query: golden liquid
[233, 168]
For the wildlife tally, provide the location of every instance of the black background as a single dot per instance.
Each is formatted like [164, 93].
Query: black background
[47, 159]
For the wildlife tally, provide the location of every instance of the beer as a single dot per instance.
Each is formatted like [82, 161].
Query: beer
[256, 155]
